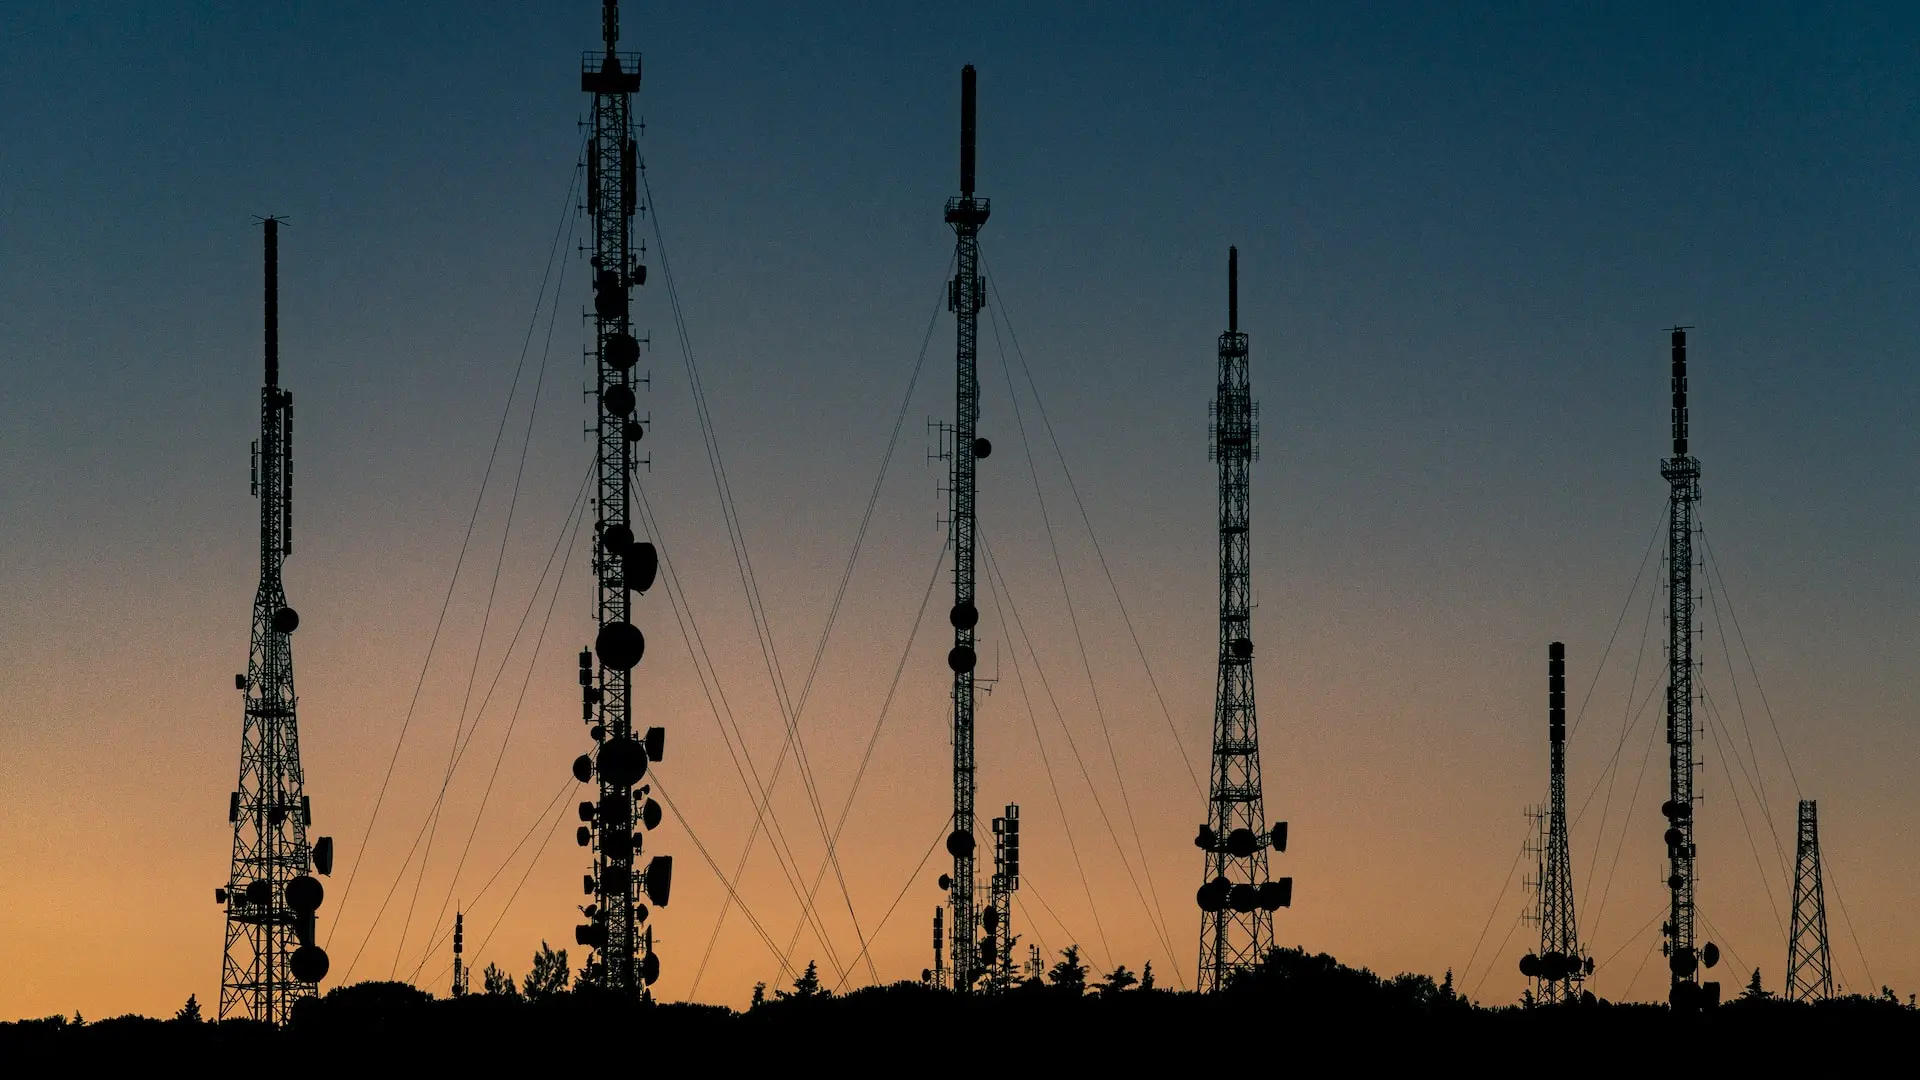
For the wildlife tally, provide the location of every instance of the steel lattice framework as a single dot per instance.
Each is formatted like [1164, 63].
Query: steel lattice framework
[965, 297]
[271, 959]
[1809, 961]
[1682, 473]
[1560, 966]
[998, 916]
[1237, 899]
[623, 959]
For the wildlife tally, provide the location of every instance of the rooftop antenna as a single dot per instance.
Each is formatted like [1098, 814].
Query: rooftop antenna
[1560, 967]
[1237, 897]
[622, 959]
[966, 295]
[1809, 961]
[1686, 992]
[271, 960]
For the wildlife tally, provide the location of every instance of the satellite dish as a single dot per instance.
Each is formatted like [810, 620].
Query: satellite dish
[1278, 836]
[640, 913]
[650, 815]
[1204, 840]
[583, 768]
[1683, 963]
[660, 879]
[1674, 837]
[309, 963]
[1243, 898]
[640, 566]
[1530, 966]
[1213, 895]
[286, 621]
[622, 351]
[964, 616]
[259, 892]
[634, 431]
[1710, 955]
[959, 843]
[1675, 881]
[1243, 647]
[1270, 896]
[617, 845]
[650, 968]
[615, 878]
[1241, 843]
[1553, 965]
[597, 732]
[219, 896]
[620, 645]
[617, 400]
[945, 882]
[583, 835]
[617, 539]
[982, 448]
[586, 811]
[961, 659]
[990, 919]
[622, 762]
[656, 743]
[323, 855]
[304, 894]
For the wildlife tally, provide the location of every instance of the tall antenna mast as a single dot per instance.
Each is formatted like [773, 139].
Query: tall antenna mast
[459, 947]
[1237, 899]
[1809, 961]
[965, 297]
[1561, 966]
[271, 958]
[1682, 472]
[623, 959]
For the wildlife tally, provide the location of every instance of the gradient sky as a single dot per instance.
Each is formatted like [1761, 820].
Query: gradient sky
[1463, 232]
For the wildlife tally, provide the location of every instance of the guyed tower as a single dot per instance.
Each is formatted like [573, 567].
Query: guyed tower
[623, 960]
[1237, 899]
[271, 895]
[965, 296]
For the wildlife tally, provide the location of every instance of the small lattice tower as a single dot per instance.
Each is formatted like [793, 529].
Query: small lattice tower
[1809, 961]
[1559, 967]
[966, 213]
[1237, 898]
[271, 897]
[997, 948]
[623, 959]
[459, 946]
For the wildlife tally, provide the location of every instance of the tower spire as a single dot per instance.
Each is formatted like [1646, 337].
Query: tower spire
[271, 897]
[623, 959]
[1237, 899]
[965, 297]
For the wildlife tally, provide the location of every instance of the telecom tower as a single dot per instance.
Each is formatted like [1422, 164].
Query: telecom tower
[1809, 961]
[965, 297]
[459, 946]
[623, 959]
[270, 896]
[1559, 967]
[1237, 900]
[997, 949]
[1682, 473]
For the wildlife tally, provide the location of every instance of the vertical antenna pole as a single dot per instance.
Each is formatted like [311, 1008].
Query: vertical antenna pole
[1233, 290]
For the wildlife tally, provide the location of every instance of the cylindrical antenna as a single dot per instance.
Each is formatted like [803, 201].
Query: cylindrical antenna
[1557, 693]
[610, 23]
[1233, 290]
[966, 130]
[273, 301]
[1679, 391]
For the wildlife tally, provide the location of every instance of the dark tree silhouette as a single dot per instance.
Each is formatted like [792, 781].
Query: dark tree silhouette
[759, 994]
[807, 985]
[190, 1012]
[549, 974]
[498, 983]
[1118, 980]
[1754, 991]
[1069, 974]
[1146, 976]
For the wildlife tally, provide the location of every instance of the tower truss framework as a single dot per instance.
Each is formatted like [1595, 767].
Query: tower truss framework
[966, 213]
[615, 822]
[271, 960]
[1809, 960]
[1559, 967]
[1237, 898]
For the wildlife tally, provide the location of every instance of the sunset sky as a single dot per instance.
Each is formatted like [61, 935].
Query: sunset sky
[1463, 233]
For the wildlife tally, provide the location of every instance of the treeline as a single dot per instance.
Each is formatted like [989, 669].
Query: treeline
[1294, 1006]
